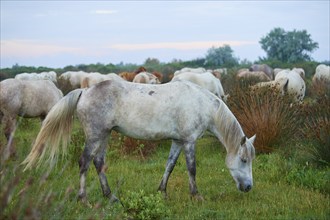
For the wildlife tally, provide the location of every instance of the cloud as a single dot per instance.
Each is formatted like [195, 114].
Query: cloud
[28, 48]
[104, 12]
[180, 45]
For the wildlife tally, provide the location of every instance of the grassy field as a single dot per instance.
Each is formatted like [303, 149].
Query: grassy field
[283, 189]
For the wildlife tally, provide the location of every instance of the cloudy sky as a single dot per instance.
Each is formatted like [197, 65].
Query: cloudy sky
[61, 33]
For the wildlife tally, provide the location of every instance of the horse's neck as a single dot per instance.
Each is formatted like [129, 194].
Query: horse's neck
[228, 130]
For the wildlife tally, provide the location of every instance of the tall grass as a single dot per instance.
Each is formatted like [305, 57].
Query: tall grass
[265, 112]
[316, 130]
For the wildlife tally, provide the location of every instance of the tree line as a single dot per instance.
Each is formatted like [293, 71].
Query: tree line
[283, 49]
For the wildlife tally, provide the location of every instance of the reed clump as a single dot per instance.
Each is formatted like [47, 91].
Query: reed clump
[265, 112]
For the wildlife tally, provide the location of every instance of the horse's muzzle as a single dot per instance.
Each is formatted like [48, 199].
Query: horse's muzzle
[245, 187]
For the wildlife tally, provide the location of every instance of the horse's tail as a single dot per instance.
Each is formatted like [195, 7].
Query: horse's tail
[55, 128]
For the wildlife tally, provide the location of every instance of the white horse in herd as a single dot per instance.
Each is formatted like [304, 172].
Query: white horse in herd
[145, 77]
[217, 72]
[206, 80]
[73, 78]
[288, 81]
[322, 72]
[94, 78]
[188, 69]
[180, 111]
[25, 98]
[52, 76]
[246, 73]
[264, 68]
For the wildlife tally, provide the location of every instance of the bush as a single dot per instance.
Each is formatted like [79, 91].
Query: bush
[316, 132]
[138, 205]
[320, 89]
[267, 113]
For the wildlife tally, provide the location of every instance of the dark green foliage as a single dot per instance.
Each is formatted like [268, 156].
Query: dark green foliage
[292, 46]
[139, 205]
[221, 56]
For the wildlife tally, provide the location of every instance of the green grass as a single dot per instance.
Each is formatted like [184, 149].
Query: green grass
[282, 189]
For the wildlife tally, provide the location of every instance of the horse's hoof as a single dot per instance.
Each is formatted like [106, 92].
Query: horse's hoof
[164, 194]
[113, 199]
[84, 201]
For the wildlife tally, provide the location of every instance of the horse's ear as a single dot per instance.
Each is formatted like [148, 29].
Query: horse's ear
[252, 139]
[243, 140]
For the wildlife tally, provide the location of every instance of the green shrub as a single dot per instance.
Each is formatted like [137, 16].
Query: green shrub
[138, 205]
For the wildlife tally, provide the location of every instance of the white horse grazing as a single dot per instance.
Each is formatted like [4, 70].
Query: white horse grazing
[206, 80]
[296, 84]
[264, 68]
[277, 70]
[288, 81]
[300, 71]
[188, 69]
[322, 72]
[145, 77]
[37, 76]
[73, 78]
[26, 98]
[280, 84]
[181, 111]
[245, 73]
[218, 72]
[94, 78]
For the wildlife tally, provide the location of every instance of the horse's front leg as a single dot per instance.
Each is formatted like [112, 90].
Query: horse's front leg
[172, 158]
[99, 162]
[189, 150]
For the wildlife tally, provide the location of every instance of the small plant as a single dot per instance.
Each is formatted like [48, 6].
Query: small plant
[142, 148]
[138, 205]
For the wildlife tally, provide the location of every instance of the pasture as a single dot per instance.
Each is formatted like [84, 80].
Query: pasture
[291, 170]
[283, 188]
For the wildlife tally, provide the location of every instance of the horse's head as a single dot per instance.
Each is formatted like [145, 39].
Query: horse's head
[240, 164]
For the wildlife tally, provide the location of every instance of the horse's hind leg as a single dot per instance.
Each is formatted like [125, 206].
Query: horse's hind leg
[9, 123]
[99, 162]
[172, 158]
[92, 148]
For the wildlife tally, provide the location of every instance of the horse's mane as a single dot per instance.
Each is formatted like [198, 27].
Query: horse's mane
[230, 130]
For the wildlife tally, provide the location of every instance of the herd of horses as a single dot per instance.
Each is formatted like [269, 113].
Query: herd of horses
[130, 103]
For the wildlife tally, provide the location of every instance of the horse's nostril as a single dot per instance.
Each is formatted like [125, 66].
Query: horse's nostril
[248, 188]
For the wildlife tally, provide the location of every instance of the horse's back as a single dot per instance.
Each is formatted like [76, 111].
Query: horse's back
[147, 111]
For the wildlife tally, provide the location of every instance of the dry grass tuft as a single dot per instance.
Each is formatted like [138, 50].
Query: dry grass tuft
[267, 113]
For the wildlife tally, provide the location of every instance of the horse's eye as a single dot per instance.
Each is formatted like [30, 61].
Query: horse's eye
[243, 160]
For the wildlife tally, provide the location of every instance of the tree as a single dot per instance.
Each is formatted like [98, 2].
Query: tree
[151, 62]
[221, 56]
[292, 46]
